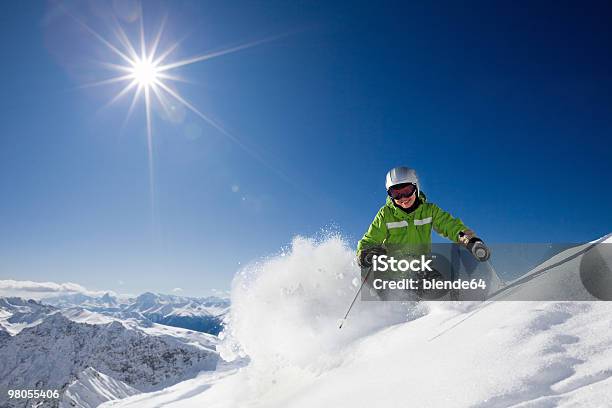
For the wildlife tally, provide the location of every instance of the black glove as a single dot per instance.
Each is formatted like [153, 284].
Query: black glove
[475, 245]
[478, 248]
[366, 255]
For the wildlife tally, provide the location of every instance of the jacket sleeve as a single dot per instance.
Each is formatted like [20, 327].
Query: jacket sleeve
[445, 224]
[376, 234]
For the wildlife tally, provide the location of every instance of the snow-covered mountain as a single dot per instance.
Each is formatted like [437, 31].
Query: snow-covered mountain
[205, 340]
[54, 353]
[3, 334]
[104, 303]
[91, 388]
[509, 353]
[199, 314]
[17, 313]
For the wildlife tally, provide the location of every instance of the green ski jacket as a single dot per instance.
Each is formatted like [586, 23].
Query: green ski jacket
[409, 234]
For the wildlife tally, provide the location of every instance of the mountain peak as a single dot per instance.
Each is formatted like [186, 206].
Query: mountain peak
[107, 297]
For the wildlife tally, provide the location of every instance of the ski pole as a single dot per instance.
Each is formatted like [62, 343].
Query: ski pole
[355, 298]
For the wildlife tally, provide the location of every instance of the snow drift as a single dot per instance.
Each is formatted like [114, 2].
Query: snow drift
[285, 309]
[392, 354]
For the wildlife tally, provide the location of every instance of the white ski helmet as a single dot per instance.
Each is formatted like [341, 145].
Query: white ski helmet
[401, 175]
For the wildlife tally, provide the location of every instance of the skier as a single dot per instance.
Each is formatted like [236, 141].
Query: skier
[403, 225]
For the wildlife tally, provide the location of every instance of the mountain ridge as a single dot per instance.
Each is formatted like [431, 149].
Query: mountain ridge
[51, 354]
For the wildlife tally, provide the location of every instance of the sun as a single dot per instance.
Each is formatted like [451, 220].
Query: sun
[145, 72]
[149, 75]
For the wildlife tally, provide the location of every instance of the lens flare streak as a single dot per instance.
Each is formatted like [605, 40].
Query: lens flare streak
[147, 72]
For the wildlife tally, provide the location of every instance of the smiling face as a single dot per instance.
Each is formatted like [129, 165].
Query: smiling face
[403, 195]
[406, 202]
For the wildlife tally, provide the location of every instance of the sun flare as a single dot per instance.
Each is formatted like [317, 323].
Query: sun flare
[144, 72]
[148, 74]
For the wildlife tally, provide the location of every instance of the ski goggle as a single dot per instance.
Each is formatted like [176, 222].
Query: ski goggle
[402, 190]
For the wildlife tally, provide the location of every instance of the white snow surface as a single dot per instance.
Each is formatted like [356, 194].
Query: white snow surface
[91, 388]
[390, 354]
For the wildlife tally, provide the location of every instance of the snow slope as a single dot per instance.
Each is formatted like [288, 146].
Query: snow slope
[91, 388]
[391, 354]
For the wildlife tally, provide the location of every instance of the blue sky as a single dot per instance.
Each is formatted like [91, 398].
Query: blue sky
[505, 111]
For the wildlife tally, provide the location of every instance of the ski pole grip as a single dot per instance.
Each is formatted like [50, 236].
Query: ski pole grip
[479, 249]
